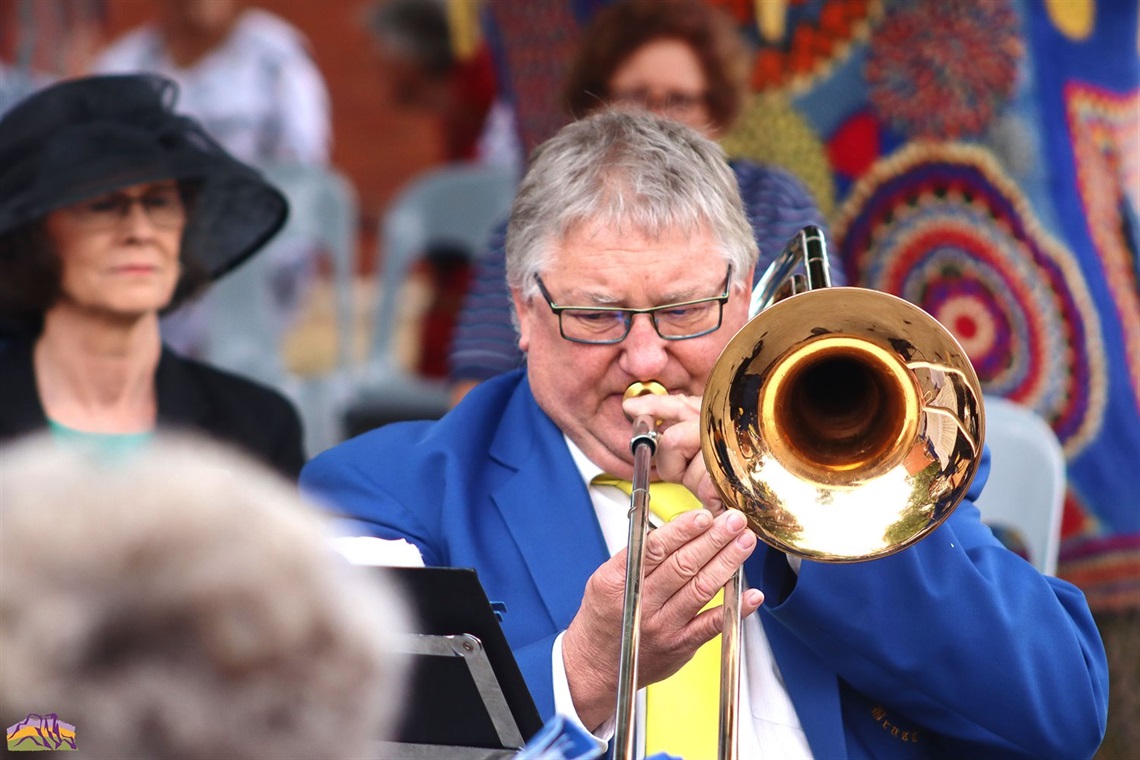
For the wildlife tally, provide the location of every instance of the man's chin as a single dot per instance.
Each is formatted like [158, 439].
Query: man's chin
[615, 455]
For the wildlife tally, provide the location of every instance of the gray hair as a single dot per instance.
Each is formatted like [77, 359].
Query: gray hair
[185, 603]
[632, 170]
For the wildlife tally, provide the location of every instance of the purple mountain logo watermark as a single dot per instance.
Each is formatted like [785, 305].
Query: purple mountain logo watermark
[41, 733]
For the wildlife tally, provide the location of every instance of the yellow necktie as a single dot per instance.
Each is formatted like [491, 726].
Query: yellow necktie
[683, 711]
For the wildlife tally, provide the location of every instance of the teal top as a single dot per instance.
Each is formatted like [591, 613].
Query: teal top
[109, 446]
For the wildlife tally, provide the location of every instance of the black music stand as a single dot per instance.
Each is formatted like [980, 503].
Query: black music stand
[468, 699]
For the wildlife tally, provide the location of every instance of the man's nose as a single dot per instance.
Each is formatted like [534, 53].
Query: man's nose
[644, 353]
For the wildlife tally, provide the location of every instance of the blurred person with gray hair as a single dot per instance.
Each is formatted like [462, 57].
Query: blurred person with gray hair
[185, 603]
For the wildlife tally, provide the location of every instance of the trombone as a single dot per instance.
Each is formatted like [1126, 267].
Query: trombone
[845, 424]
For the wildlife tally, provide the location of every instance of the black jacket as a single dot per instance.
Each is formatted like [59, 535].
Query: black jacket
[191, 396]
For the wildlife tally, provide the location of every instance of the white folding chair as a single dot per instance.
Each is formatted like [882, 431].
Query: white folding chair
[323, 208]
[456, 205]
[1026, 488]
[244, 333]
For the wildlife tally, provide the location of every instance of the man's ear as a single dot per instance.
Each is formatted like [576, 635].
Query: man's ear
[524, 314]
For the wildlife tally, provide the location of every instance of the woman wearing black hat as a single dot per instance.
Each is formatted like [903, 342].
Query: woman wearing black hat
[113, 209]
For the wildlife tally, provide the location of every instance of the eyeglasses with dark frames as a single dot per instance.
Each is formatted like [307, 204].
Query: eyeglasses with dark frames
[604, 325]
[162, 205]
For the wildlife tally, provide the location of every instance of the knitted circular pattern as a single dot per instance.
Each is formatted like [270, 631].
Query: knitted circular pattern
[940, 225]
[942, 68]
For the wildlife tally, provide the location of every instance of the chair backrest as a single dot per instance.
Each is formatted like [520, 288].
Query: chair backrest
[456, 205]
[244, 331]
[323, 207]
[244, 316]
[1026, 488]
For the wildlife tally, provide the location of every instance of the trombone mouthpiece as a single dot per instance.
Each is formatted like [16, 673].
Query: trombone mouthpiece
[640, 389]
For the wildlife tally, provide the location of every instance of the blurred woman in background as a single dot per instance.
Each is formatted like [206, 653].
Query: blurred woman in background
[114, 208]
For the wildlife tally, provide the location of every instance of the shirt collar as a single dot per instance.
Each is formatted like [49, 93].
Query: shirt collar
[586, 469]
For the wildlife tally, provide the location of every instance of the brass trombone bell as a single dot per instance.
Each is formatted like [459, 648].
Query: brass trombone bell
[844, 423]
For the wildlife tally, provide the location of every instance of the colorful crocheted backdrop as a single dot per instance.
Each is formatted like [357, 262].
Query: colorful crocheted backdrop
[984, 158]
[981, 160]
[939, 224]
[1086, 67]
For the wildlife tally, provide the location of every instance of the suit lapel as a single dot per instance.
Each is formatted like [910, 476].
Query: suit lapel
[180, 400]
[546, 506]
[812, 686]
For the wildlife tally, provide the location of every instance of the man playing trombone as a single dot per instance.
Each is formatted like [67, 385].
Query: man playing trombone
[630, 260]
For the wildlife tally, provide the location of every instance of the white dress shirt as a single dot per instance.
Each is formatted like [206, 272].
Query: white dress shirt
[774, 729]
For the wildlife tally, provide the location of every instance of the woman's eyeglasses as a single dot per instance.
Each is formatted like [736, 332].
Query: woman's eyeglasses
[162, 206]
[673, 103]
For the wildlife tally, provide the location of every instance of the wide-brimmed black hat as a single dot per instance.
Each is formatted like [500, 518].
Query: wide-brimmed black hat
[86, 137]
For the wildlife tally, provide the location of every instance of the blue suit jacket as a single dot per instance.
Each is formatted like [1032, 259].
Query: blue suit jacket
[955, 647]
